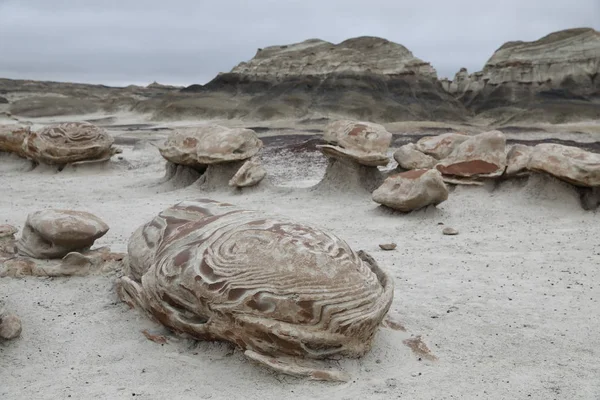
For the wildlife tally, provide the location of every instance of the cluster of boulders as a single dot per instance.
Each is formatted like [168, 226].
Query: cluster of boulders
[53, 243]
[69, 143]
[471, 160]
[355, 150]
[217, 155]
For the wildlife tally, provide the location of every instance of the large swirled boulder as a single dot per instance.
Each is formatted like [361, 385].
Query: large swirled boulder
[363, 142]
[273, 287]
[210, 144]
[12, 138]
[55, 233]
[482, 155]
[70, 142]
[570, 164]
[412, 190]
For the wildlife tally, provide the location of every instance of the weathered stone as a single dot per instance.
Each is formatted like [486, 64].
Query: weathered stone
[54, 233]
[10, 324]
[387, 246]
[482, 155]
[571, 164]
[7, 231]
[250, 174]
[408, 157]
[12, 138]
[517, 160]
[412, 190]
[363, 142]
[440, 146]
[273, 287]
[69, 143]
[210, 144]
[449, 231]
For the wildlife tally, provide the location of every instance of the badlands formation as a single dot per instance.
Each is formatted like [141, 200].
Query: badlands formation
[348, 218]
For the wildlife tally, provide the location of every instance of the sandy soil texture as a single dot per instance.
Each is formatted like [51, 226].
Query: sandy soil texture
[508, 308]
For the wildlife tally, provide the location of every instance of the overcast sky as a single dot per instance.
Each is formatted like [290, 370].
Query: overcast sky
[120, 42]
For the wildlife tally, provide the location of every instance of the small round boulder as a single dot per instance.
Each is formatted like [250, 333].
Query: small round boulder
[55, 233]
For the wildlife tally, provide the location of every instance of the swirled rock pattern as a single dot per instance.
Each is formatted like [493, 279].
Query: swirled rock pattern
[55, 233]
[210, 144]
[68, 143]
[270, 286]
[363, 142]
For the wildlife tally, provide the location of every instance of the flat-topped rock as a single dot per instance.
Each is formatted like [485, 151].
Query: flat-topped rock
[570, 164]
[210, 144]
[363, 142]
[412, 190]
[54, 233]
[482, 155]
[68, 143]
[318, 57]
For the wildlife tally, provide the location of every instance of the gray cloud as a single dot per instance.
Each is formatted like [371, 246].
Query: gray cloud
[187, 41]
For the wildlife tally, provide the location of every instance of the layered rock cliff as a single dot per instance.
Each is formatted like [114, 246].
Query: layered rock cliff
[555, 78]
[366, 78]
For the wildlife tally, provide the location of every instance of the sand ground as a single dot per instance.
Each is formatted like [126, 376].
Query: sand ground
[509, 307]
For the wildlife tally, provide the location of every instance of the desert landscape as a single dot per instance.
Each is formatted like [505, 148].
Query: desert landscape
[458, 221]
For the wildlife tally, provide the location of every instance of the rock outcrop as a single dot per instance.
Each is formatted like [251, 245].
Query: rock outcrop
[364, 78]
[55, 233]
[553, 79]
[412, 190]
[275, 288]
